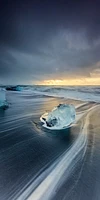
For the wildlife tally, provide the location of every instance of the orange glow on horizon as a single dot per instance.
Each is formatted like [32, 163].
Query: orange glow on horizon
[71, 81]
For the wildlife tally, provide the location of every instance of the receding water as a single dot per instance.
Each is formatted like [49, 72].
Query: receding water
[40, 164]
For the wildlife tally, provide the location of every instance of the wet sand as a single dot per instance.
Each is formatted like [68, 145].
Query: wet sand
[29, 154]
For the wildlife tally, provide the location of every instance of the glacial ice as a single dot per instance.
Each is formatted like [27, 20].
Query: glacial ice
[60, 117]
[3, 102]
[14, 88]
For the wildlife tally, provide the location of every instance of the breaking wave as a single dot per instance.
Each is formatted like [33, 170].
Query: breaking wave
[84, 93]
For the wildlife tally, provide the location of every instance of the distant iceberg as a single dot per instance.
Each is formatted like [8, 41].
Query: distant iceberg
[3, 102]
[60, 117]
[14, 88]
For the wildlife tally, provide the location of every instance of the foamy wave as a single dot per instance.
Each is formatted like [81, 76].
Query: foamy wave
[79, 93]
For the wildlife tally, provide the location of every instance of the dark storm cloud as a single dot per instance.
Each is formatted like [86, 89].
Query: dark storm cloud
[42, 39]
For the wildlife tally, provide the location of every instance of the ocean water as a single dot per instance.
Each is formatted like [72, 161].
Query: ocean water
[84, 93]
[41, 164]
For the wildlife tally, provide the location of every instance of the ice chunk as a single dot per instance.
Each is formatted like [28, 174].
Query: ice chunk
[19, 88]
[15, 88]
[61, 116]
[3, 102]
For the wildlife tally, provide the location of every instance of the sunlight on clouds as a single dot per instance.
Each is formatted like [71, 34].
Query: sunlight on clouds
[74, 81]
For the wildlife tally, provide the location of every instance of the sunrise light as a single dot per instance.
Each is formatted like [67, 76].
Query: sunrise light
[74, 81]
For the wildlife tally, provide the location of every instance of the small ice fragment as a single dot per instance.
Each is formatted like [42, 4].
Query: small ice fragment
[3, 102]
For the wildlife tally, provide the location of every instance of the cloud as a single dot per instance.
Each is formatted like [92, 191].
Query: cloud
[54, 39]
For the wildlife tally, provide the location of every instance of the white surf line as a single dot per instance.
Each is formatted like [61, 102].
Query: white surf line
[34, 184]
[81, 104]
[25, 192]
[40, 179]
[80, 114]
[47, 188]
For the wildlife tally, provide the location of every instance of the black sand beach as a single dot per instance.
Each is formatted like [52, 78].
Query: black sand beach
[29, 153]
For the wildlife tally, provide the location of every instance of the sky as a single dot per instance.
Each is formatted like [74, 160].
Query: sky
[50, 42]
